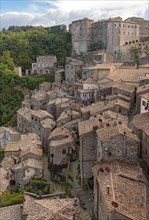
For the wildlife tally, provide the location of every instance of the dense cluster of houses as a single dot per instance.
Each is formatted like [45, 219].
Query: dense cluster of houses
[96, 112]
[94, 119]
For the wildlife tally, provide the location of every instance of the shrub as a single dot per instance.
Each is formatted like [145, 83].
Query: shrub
[11, 198]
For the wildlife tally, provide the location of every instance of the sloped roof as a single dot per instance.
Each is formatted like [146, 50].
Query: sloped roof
[127, 188]
[105, 134]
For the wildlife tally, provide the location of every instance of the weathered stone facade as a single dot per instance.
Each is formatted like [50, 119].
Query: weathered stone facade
[113, 34]
[117, 143]
[81, 35]
[73, 69]
[43, 65]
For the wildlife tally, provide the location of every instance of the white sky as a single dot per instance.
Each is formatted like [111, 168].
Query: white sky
[47, 13]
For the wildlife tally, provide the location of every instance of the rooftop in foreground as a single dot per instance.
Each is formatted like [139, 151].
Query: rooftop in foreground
[127, 188]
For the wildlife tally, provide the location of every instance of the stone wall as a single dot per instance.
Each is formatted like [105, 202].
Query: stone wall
[88, 145]
[119, 147]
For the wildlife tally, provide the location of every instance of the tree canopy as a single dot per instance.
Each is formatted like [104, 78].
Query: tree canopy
[26, 43]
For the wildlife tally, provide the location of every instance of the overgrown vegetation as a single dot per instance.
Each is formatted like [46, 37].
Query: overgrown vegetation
[137, 51]
[26, 43]
[12, 86]
[97, 46]
[19, 46]
[11, 198]
[36, 186]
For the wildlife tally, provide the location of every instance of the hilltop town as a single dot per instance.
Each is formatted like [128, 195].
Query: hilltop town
[80, 150]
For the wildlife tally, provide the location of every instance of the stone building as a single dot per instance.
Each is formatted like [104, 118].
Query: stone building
[86, 96]
[24, 171]
[140, 125]
[104, 137]
[98, 71]
[141, 91]
[43, 65]
[119, 191]
[39, 100]
[102, 57]
[115, 34]
[8, 135]
[31, 152]
[89, 140]
[144, 103]
[66, 116]
[24, 120]
[88, 147]
[90, 84]
[122, 107]
[56, 106]
[96, 108]
[73, 70]
[131, 76]
[61, 146]
[143, 26]
[36, 118]
[47, 126]
[53, 207]
[81, 35]
[117, 142]
[59, 76]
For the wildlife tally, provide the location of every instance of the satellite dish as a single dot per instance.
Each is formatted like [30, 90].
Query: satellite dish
[101, 169]
[107, 169]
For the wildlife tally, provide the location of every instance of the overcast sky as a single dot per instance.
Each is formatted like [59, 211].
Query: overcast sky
[48, 13]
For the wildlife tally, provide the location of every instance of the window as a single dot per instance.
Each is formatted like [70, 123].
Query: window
[128, 26]
[123, 25]
[143, 103]
[64, 151]
[114, 25]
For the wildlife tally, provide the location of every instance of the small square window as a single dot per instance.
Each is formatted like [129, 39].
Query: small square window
[64, 151]
[143, 103]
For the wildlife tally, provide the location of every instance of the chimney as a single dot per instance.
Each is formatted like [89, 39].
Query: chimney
[95, 127]
[108, 189]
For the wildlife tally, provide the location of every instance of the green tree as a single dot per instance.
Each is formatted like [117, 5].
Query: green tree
[6, 59]
[135, 53]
